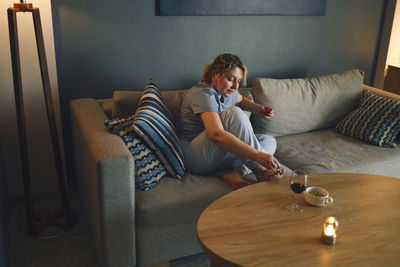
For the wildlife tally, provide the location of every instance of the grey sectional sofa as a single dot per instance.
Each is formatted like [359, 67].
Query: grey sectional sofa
[132, 227]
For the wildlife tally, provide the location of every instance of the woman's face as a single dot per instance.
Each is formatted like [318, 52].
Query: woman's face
[228, 82]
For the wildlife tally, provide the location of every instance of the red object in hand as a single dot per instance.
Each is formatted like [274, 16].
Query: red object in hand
[267, 111]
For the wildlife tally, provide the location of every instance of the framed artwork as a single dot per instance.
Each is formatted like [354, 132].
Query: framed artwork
[241, 7]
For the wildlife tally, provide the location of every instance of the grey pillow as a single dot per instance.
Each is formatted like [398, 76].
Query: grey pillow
[303, 105]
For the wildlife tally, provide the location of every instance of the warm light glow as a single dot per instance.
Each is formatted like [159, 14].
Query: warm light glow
[330, 226]
[331, 220]
[329, 230]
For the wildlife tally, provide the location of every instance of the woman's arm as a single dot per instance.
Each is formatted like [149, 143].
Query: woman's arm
[246, 104]
[215, 132]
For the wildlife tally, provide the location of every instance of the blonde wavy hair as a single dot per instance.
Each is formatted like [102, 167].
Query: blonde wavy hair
[222, 64]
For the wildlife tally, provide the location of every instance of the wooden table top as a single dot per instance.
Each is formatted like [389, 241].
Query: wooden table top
[252, 227]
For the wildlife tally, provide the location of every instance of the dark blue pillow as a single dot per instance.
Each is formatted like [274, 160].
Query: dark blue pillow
[375, 120]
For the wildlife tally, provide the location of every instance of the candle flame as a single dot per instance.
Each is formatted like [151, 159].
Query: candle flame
[329, 231]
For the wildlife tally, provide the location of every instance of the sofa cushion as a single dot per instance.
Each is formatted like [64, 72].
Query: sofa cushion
[153, 124]
[309, 104]
[168, 204]
[148, 169]
[327, 151]
[125, 103]
[375, 120]
[173, 101]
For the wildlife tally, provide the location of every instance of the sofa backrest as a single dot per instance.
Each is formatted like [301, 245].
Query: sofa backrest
[309, 104]
[300, 105]
[124, 103]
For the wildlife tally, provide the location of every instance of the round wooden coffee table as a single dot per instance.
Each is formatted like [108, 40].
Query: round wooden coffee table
[252, 227]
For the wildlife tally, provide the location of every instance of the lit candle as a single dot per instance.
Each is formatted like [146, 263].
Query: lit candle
[329, 230]
[330, 227]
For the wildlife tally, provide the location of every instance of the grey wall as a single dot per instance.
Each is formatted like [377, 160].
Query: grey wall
[102, 46]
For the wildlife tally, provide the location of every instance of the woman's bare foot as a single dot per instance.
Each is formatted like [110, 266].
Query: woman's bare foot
[235, 179]
[263, 174]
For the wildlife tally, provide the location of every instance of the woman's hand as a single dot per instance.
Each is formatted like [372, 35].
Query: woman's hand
[266, 112]
[246, 104]
[268, 161]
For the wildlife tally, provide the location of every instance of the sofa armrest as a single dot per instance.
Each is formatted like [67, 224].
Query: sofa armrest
[104, 171]
[381, 92]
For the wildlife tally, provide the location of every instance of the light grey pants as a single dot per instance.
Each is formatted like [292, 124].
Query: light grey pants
[203, 157]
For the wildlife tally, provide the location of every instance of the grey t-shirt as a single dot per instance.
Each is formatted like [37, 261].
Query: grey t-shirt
[200, 98]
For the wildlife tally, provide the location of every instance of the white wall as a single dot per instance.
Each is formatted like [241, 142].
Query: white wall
[393, 57]
[43, 174]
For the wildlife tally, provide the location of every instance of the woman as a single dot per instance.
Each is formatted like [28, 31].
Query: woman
[216, 134]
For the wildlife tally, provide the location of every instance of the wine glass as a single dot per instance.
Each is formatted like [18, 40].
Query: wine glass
[298, 183]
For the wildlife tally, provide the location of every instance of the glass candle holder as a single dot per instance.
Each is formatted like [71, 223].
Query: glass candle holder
[329, 230]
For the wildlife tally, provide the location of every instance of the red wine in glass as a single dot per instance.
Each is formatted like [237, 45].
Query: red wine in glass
[298, 183]
[298, 188]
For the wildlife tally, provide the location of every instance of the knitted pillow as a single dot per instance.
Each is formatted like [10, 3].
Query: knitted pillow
[375, 120]
[148, 169]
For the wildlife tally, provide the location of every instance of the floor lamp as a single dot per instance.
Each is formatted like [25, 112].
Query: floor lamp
[36, 222]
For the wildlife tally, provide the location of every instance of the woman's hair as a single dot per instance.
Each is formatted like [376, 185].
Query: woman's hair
[222, 64]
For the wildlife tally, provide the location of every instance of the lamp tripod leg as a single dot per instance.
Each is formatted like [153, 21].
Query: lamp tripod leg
[51, 116]
[19, 106]
[37, 222]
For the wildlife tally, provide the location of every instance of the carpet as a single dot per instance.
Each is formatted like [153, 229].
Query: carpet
[57, 248]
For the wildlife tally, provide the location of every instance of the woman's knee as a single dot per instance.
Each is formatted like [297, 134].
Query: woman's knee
[234, 115]
[235, 121]
[268, 142]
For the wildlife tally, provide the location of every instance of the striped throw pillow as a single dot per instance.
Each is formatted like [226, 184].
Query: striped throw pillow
[148, 169]
[375, 120]
[154, 125]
